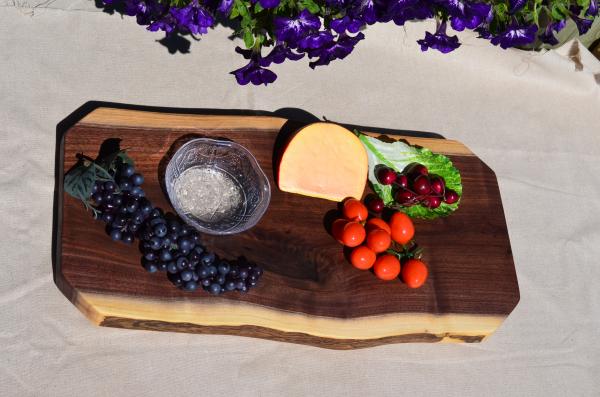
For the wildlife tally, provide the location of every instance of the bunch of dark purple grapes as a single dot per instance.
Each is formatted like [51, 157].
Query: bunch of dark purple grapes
[166, 243]
[415, 185]
[122, 205]
[171, 246]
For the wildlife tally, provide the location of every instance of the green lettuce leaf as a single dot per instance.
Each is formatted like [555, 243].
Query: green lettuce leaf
[397, 155]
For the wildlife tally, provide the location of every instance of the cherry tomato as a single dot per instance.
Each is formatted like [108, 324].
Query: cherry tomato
[414, 273]
[402, 227]
[337, 227]
[362, 257]
[378, 240]
[354, 210]
[353, 234]
[377, 223]
[387, 267]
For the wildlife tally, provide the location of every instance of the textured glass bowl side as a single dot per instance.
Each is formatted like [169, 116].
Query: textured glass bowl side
[241, 166]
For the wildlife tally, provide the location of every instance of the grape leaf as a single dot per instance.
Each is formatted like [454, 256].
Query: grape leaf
[397, 155]
[109, 162]
[80, 180]
[125, 158]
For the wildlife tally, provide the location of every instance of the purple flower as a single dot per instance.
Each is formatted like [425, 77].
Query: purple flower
[516, 5]
[439, 41]
[330, 51]
[346, 24]
[253, 72]
[484, 32]
[269, 3]
[364, 10]
[401, 11]
[166, 24]
[548, 35]
[337, 3]
[145, 11]
[225, 6]
[515, 35]
[135, 7]
[278, 54]
[291, 30]
[315, 40]
[192, 18]
[592, 10]
[583, 24]
[468, 15]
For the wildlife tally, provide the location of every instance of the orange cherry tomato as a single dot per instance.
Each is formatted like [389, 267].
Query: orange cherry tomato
[362, 257]
[337, 227]
[353, 234]
[402, 227]
[414, 273]
[387, 267]
[377, 223]
[354, 210]
[378, 240]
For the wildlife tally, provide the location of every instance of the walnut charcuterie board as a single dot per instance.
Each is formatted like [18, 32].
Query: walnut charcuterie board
[309, 293]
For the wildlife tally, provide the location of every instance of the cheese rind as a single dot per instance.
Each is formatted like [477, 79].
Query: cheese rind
[324, 160]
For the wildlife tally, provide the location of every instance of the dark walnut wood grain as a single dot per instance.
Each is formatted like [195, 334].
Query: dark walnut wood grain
[471, 288]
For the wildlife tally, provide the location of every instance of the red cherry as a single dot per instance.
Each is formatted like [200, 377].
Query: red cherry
[450, 197]
[386, 176]
[405, 197]
[402, 180]
[421, 185]
[375, 204]
[416, 169]
[437, 185]
[431, 202]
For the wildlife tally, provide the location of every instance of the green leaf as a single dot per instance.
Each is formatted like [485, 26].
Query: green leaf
[79, 181]
[397, 155]
[583, 4]
[537, 7]
[242, 8]
[309, 5]
[257, 8]
[102, 174]
[125, 158]
[234, 13]
[501, 11]
[559, 10]
[110, 162]
[248, 39]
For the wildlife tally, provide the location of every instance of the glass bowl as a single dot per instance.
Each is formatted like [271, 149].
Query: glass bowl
[217, 186]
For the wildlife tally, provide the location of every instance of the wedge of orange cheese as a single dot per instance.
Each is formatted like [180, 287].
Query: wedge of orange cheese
[324, 160]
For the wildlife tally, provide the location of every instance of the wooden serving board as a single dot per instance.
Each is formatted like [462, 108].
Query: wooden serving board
[309, 293]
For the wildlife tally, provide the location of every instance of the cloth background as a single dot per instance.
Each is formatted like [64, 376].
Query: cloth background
[531, 117]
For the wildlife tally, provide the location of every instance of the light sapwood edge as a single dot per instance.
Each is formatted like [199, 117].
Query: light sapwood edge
[97, 307]
[145, 119]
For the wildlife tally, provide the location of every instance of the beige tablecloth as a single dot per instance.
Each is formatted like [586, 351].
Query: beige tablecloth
[531, 117]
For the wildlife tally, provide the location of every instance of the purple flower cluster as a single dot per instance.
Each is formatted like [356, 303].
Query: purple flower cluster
[193, 18]
[330, 29]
